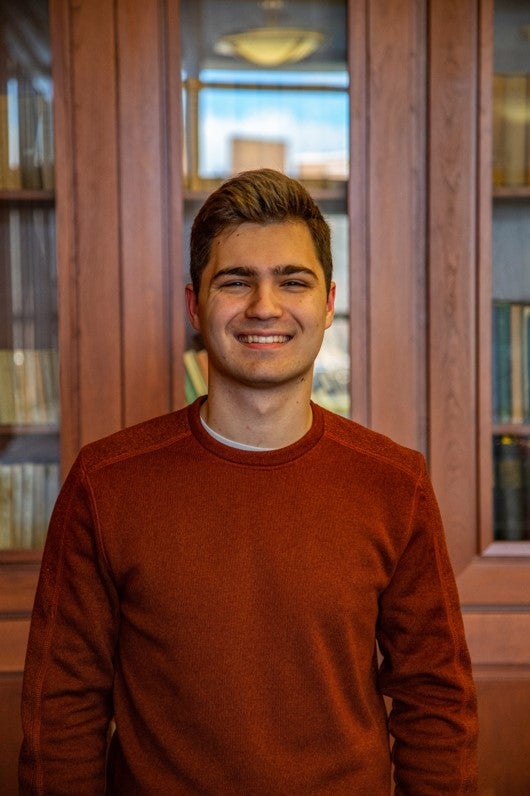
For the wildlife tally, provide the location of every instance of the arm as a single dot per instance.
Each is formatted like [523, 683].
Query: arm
[67, 690]
[426, 668]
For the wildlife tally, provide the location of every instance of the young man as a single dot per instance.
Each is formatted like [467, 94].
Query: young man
[216, 581]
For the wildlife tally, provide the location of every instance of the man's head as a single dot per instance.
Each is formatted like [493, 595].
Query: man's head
[262, 196]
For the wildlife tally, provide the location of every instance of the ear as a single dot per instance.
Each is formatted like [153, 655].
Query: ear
[192, 306]
[330, 305]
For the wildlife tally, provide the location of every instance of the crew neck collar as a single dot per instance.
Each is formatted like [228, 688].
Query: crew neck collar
[263, 458]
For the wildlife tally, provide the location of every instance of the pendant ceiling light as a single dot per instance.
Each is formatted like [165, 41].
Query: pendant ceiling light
[271, 45]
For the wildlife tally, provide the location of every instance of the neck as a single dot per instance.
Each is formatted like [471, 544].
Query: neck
[263, 418]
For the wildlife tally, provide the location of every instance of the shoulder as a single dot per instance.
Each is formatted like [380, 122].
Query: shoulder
[135, 441]
[367, 443]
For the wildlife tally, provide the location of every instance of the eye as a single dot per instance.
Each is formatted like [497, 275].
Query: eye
[295, 284]
[233, 284]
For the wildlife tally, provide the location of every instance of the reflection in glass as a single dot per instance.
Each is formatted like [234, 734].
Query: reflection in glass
[511, 271]
[294, 118]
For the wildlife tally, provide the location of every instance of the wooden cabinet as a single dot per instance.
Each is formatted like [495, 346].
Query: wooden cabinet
[29, 387]
[494, 577]
[419, 202]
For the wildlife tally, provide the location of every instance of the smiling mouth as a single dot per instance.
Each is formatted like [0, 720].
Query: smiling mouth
[263, 338]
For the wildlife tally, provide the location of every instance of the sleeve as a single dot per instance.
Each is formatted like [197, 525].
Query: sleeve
[67, 687]
[426, 669]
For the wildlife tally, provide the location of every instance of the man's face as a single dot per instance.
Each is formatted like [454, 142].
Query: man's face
[262, 307]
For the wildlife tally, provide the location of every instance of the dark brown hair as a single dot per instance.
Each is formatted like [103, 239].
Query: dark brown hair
[262, 196]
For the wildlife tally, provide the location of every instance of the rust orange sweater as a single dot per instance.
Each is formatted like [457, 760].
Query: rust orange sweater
[224, 607]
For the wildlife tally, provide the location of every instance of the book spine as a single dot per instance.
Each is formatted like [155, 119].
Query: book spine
[502, 387]
[194, 372]
[515, 128]
[499, 176]
[509, 492]
[516, 362]
[526, 362]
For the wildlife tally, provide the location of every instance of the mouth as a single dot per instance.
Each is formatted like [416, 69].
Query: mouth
[264, 339]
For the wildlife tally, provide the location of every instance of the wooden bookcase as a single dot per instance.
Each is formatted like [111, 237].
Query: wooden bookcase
[419, 202]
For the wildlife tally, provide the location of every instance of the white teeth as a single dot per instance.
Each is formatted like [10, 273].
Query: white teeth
[258, 338]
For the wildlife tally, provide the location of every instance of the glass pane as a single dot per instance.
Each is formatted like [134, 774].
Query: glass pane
[511, 271]
[292, 116]
[29, 394]
[244, 128]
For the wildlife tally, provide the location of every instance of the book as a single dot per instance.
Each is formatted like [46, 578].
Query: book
[515, 129]
[44, 142]
[4, 142]
[7, 388]
[509, 489]
[6, 502]
[28, 492]
[189, 393]
[528, 129]
[525, 327]
[29, 387]
[516, 362]
[501, 381]
[202, 361]
[524, 444]
[10, 172]
[28, 135]
[194, 372]
[498, 129]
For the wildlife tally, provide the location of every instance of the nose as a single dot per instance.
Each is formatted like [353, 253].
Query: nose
[264, 303]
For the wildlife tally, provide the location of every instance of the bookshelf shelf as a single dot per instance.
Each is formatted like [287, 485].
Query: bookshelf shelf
[22, 561]
[26, 195]
[512, 192]
[511, 429]
[17, 429]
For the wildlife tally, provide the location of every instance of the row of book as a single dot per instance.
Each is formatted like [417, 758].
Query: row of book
[27, 495]
[195, 373]
[29, 387]
[511, 125]
[511, 490]
[26, 137]
[511, 362]
[28, 276]
[330, 388]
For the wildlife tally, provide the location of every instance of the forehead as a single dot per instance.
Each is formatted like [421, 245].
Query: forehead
[271, 243]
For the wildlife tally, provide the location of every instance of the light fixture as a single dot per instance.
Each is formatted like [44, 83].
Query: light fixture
[271, 45]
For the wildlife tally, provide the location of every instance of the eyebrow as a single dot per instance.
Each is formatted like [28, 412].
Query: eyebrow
[278, 270]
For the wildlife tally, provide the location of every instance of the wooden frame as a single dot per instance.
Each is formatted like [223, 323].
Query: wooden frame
[419, 204]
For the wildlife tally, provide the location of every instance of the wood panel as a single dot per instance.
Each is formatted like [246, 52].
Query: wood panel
[18, 581]
[14, 633]
[65, 227]
[396, 112]
[489, 583]
[10, 733]
[143, 211]
[96, 260]
[358, 211]
[504, 706]
[114, 184]
[452, 270]
[177, 272]
[499, 637]
[484, 275]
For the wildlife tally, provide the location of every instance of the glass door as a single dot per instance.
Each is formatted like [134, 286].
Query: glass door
[266, 85]
[511, 271]
[29, 401]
